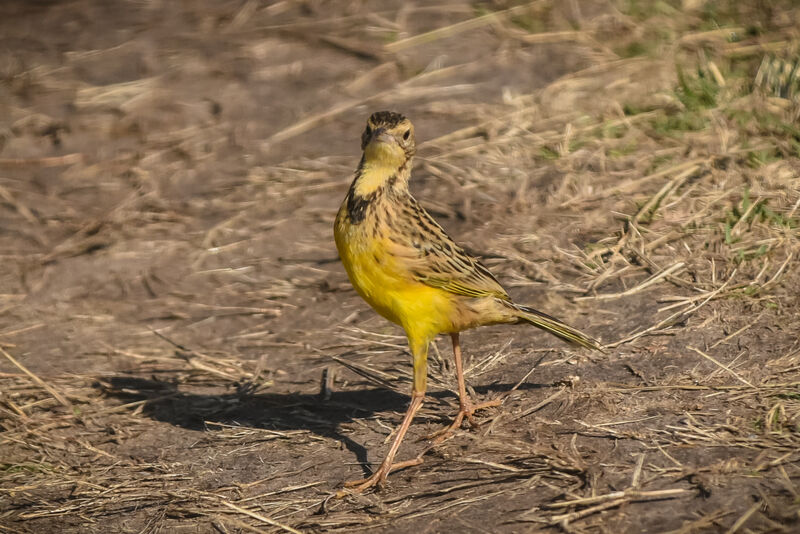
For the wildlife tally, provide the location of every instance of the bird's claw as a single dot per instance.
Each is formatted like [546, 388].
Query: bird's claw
[377, 479]
[465, 412]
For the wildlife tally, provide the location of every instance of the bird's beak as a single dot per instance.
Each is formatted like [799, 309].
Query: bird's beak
[381, 136]
[382, 149]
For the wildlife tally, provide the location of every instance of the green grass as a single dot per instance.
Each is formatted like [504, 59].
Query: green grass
[759, 158]
[636, 48]
[609, 130]
[765, 123]
[390, 36]
[697, 92]
[719, 14]
[548, 153]
[532, 22]
[26, 467]
[757, 17]
[633, 109]
[683, 121]
[745, 213]
[645, 9]
[700, 95]
[625, 150]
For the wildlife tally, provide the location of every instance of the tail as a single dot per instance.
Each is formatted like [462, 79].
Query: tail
[557, 328]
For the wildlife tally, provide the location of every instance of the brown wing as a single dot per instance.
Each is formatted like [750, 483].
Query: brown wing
[422, 247]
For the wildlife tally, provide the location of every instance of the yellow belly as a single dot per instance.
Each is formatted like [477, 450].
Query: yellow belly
[423, 311]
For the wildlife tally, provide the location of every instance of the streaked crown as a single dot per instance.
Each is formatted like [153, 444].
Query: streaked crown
[385, 119]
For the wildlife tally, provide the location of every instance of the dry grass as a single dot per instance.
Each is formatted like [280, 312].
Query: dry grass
[182, 350]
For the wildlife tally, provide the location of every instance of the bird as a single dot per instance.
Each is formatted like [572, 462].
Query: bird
[406, 267]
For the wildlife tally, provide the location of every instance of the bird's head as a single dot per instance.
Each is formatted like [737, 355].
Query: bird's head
[388, 140]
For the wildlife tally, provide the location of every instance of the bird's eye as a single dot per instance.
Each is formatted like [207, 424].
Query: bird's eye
[368, 131]
[405, 135]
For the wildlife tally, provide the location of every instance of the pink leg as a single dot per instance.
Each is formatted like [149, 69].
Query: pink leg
[466, 408]
[386, 467]
[419, 350]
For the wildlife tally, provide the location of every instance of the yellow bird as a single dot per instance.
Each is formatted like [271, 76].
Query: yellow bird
[411, 272]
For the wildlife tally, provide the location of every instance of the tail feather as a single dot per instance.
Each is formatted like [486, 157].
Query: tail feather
[557, 328]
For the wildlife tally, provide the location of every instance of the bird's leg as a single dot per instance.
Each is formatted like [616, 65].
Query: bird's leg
[466, 408]
[420, 352]
[379, 476]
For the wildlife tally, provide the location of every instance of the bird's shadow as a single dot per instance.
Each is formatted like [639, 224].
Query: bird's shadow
[163, 401]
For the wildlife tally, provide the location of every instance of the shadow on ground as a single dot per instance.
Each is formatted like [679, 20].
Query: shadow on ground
[163, 401]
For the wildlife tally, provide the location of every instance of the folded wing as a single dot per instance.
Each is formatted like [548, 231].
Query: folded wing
[434, 259]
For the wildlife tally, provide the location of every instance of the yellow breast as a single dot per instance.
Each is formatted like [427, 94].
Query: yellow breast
[423, 311]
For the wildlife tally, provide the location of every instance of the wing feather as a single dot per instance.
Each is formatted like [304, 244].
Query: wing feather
[422, 247]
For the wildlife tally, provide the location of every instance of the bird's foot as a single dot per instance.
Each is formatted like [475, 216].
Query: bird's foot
[465, 412]
[378, 478]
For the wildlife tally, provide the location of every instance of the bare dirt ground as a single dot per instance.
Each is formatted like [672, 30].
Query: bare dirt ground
[170, 295]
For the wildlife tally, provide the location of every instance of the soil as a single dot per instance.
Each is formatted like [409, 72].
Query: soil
[169, 175]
